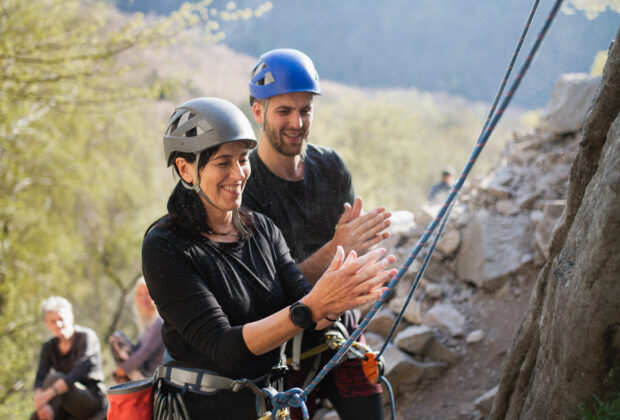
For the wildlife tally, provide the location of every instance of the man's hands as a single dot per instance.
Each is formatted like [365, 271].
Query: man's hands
[350, 283]
[354, 232]
[46, 412]
[358, 232]
[41, 406]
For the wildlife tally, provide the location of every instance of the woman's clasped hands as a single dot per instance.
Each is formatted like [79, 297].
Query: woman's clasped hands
[350, 282]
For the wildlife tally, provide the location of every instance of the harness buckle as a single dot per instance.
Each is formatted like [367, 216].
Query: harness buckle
[278, 371]
[239, 384]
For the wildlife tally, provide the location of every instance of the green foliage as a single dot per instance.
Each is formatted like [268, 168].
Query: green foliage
[608, 409]
[77, 184]
[396, 145]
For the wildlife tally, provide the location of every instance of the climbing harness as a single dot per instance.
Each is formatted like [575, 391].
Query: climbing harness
[296, 397]
[168, 400]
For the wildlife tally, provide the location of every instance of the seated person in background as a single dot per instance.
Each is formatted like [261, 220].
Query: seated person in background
[75, 387]
[140, 360]
[441, 189]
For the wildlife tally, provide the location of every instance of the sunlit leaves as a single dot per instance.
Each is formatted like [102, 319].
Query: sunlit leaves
[77, 150]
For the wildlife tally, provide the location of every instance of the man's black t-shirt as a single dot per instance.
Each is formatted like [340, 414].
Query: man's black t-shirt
[206, 291]
[306, 211]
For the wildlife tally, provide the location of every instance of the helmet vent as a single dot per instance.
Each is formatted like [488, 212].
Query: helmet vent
[268, 78]
[183, 118]
[259, 67]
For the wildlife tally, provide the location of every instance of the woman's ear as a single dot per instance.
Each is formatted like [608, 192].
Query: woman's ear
[186, 170]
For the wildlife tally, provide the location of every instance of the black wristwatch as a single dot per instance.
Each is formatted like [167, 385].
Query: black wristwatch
[301, 316]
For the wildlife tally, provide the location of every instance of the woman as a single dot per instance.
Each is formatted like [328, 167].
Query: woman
[140, 360]
[222, 279]
[75, 388]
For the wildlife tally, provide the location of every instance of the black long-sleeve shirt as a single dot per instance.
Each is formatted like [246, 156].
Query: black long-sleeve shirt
[205, 291]
[82, 363]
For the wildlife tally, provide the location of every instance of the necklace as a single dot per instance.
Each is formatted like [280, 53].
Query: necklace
[231, 233]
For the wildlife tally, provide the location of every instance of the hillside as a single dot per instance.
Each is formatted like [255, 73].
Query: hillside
[382, 134]
[452, 46]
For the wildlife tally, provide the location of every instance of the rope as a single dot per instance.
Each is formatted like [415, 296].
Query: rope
[300, 397]
[390, 393]
[291, 398]
[429, 254]
[415, 283]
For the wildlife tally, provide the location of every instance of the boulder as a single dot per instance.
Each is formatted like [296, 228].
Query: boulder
[437, 272]
[406, 373]
[437, 351]
[497, 186]
[492, 248]
[569, 104]
[485, 401]
[401, 369]
[402, 226]
[412, 313]
[382, 322]
[506, 207]
[527, 200]
[374, 340]
[475, 336]
[433, 290]
[552, 211]
[449, 242]
[426, 214]
[414, 339]
[445, 315]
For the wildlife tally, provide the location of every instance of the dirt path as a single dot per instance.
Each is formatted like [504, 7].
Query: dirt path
[452, 395]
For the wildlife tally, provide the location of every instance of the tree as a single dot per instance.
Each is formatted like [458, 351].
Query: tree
[77, 184]
[567, 349]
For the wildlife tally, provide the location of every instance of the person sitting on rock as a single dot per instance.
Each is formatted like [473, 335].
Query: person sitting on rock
[137, 361]
[75, 386]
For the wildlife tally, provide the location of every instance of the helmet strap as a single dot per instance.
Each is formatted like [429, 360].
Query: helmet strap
[262, 126]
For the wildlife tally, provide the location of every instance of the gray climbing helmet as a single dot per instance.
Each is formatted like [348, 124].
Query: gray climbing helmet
[203, 123]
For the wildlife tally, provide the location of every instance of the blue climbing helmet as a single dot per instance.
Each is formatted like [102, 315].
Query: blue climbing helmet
[283, 70]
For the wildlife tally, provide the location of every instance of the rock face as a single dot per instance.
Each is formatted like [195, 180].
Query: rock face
[563, 356]
[551, 213]
[493, 246]
[498, 235]
[571, 98]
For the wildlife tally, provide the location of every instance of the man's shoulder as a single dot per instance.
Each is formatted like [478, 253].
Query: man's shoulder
[321, 152]
[323, 156]
[82, 331]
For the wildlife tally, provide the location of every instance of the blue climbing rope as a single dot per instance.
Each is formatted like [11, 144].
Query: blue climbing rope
[296, 397]
[434, 242]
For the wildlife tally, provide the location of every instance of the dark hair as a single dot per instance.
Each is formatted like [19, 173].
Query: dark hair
[185, 208]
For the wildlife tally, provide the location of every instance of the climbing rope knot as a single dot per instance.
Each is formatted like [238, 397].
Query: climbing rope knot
[288, 398]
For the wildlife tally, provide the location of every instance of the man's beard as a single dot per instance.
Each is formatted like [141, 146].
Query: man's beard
[278, 143]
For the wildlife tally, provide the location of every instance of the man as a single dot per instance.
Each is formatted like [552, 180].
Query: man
[69, 380]
[440, 189]
[307, 191]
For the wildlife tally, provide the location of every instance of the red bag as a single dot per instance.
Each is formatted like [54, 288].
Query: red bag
[131, 400]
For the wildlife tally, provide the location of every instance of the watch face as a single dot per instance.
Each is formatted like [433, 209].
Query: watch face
[301, 315]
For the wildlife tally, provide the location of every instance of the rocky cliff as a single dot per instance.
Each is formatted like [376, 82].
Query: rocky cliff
[445, 360]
